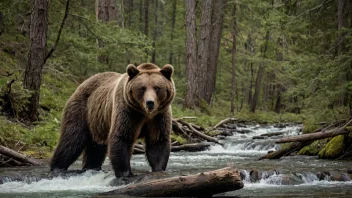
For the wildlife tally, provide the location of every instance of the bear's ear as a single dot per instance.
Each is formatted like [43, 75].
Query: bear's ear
[167, 71]
[132, 71]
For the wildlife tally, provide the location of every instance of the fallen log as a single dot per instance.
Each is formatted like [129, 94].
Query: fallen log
[296, 146]
[316, 136]
[204, 184]
[19, 157]
[191, 147]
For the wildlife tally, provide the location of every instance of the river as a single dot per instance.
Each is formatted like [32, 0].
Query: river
[292, 176]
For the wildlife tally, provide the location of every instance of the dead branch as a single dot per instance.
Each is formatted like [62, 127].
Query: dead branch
[200, 134]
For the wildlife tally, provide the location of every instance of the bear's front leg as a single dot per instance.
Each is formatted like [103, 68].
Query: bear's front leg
[120, 151]
[123, 134]
[157, 139]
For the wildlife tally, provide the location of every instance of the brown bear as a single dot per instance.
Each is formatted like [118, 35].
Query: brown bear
[109, 111]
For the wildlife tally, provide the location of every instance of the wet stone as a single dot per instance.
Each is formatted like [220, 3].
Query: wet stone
[243, 174]
[291, 179]
[243, 131]
[339, 176]
[321, 176]
[254, 176]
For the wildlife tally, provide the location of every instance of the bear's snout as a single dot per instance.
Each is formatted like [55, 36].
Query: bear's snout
[150, 104]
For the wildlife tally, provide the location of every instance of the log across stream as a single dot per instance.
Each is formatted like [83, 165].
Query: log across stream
[289, 176]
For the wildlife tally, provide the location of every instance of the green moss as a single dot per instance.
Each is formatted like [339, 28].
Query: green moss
[178, 138]
[333, 149]
[313, 148]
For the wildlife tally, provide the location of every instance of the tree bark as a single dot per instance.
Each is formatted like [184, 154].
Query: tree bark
[259, 76]
[19, 157]
[341, 23]
[173, 22]
[146, 17]
[192, 89]
[155, 32]
[36, 55]
[217, 20]
[234, 37]
[204, 184]
[203, 48]
[105, 12]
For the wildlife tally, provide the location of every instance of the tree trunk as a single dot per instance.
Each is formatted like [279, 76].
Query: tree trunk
[203, 48]
[234, 35]
[259, 76]
[278, 100]
[341, 23]
[204, 184]
[192, 92]
[105, 12]
[217, 21]
[129, 12]
[146, 17]
[36, 56]
[173, 22]
[155, 32]
[141, 26]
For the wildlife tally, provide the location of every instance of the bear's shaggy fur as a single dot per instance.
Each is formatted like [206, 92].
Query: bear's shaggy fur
[109, 111]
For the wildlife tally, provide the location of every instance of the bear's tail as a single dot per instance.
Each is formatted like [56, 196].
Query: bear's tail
[74, 135]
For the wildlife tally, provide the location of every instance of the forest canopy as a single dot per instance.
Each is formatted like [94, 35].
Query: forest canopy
[230, 56]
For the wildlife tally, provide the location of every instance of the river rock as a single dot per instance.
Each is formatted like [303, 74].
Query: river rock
[243, 131]
[230, 126]
[243, 174]
[291, 179]
[254, 176]
[339, 176]
[322, 175]
[349, 171]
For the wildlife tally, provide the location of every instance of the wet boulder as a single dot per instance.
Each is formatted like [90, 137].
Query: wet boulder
[333, 149]
[338, 175]
[291, 179]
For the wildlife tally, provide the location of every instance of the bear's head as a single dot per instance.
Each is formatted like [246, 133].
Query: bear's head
[149, 89]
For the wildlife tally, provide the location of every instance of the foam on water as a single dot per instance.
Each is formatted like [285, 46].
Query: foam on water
[87, 182]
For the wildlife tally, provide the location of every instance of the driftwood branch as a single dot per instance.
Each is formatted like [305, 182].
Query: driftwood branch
[316, 136]
[204, 184]
[59, 33]
[19, 157]
[198, 133]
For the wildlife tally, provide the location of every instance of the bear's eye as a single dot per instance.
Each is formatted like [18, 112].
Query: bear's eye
[156, 89]
[142, 88]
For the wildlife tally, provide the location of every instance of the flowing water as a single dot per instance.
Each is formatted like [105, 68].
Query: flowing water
[293, 176]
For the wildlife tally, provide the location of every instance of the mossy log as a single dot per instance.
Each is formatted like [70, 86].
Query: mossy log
[204, 184]
[296, 146]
